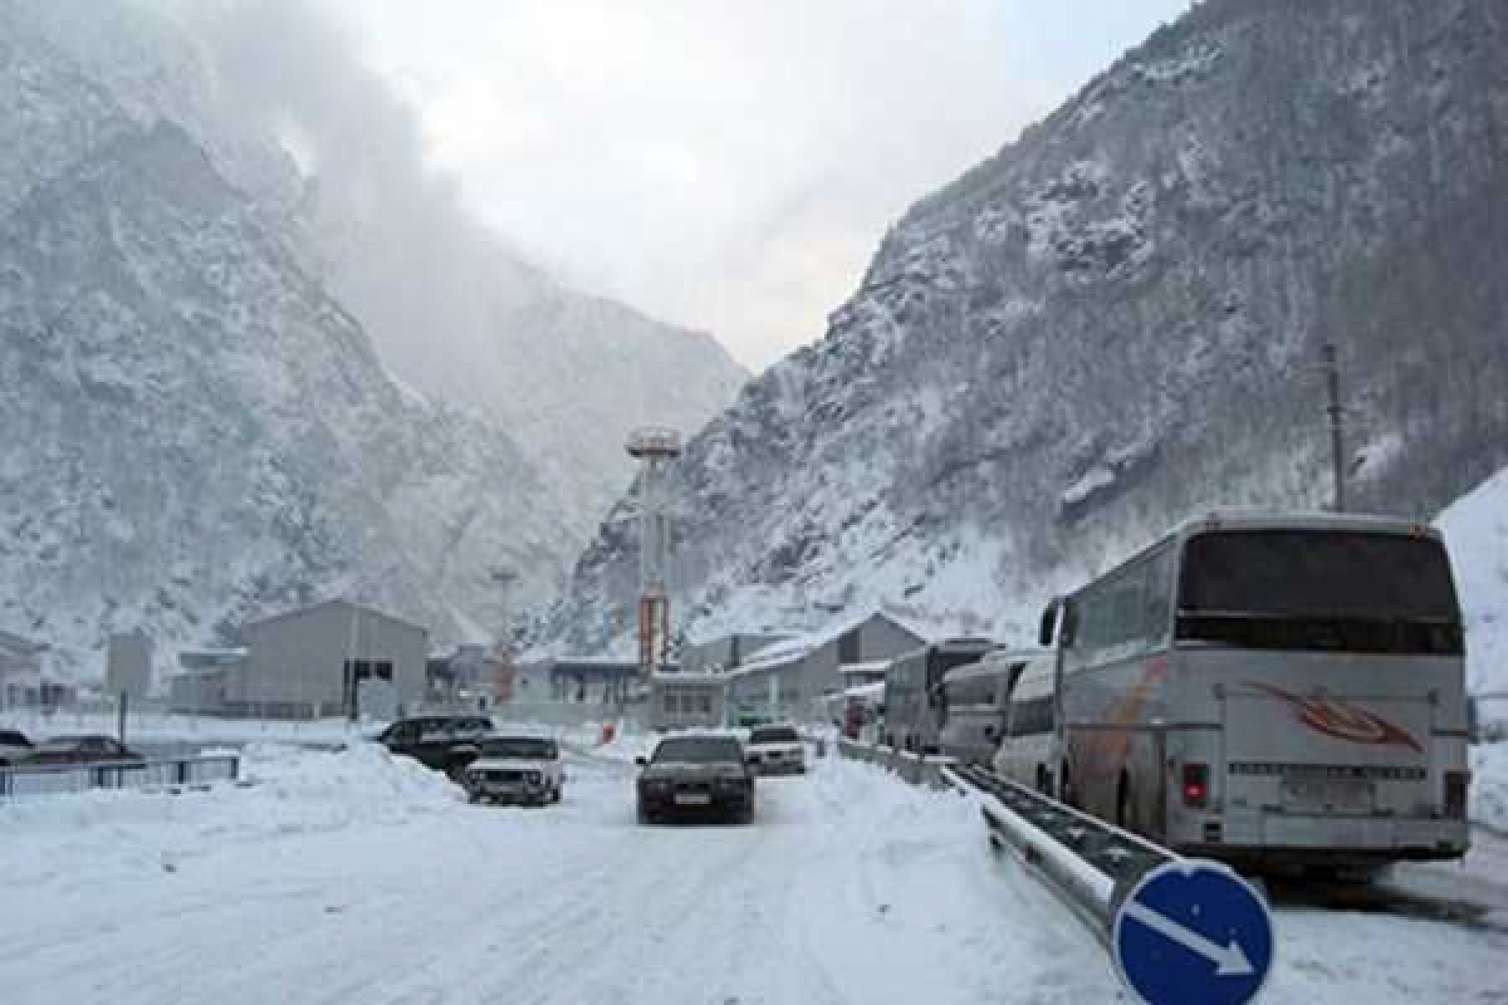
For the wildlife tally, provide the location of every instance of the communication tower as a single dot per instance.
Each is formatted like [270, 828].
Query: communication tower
[656, 449]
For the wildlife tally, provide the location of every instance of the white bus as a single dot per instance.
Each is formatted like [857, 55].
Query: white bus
[977, 699]
[913, 710]
[1270, 690]
[1028, 747]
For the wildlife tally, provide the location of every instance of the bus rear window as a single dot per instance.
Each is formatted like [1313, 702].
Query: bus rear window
[1318, 574]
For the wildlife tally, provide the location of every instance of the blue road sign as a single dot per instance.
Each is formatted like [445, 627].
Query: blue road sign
[1193, 931]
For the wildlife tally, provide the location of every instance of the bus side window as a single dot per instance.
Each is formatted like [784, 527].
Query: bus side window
[1157, 598]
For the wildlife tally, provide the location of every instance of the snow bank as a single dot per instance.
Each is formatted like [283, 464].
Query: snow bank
[291, 791]
[1489, 785]
[1476, 531]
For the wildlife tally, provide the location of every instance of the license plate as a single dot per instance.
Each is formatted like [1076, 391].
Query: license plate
[1343, 794]
[692, 799]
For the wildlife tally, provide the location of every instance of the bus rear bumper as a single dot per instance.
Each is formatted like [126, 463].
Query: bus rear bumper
[1296, 839]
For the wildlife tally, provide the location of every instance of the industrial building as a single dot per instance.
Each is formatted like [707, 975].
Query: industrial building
[789, 678]
[335, 658]
[23, 676]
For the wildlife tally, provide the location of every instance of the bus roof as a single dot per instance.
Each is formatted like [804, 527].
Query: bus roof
[994, 663]
[1258, 519]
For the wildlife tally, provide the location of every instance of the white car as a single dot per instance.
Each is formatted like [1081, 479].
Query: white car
[515, 769]
[776, 750]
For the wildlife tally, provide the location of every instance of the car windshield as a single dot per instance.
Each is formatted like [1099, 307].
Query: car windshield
[520, 747]
[774, 734]
[698, 750]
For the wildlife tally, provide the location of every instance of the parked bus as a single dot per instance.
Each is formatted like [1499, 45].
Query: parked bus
[1275, 689]
[1028, 748]
[977, 699]
[914, 706]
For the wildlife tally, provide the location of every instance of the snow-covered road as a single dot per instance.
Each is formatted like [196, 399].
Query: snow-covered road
[355, 878]
[850, 887]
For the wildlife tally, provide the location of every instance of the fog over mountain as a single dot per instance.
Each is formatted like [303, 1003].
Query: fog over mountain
[1116, 322]
[206, 422]
[452, 307]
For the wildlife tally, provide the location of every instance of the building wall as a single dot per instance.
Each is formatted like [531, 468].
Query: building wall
[882, 639]
[681, 701]
[299, 659]
[203, 691]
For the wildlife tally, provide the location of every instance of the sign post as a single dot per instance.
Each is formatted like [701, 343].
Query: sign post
[1193, 931]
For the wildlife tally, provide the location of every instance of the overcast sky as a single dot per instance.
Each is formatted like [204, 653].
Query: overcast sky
[727, 165]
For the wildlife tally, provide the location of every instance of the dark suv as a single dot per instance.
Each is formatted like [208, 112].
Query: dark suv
[444, 742]
[696, 774]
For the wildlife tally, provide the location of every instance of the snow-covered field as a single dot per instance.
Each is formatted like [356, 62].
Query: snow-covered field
[351, 876]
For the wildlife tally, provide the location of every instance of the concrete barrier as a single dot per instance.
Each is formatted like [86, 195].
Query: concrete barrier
[914, 768]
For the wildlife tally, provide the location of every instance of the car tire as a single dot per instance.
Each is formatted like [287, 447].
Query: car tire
[555, 795]
[473, 797]
[644, 816]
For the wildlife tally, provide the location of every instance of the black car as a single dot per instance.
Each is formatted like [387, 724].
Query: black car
[696, 774]
[443, 742]
[14, 747]
[86, 749]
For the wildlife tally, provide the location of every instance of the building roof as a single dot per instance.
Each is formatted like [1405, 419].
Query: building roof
[334, 602]
[787, 651]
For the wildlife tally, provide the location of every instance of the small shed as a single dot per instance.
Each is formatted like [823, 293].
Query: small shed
[679, 700]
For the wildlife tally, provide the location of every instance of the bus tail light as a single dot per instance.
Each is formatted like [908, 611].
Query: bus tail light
[1456, 783]
[1196, 784]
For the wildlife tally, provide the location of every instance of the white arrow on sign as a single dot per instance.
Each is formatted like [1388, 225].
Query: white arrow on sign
[1229, 960]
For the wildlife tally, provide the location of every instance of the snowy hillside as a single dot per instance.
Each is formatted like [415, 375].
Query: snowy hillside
[196, 430]
[1476, 529]
[1115, 322]
[201, 427]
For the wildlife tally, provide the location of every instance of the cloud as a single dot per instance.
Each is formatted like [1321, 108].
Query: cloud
[721, 164]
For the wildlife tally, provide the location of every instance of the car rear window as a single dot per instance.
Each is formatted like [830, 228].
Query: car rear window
[698, 750]
[774, 734]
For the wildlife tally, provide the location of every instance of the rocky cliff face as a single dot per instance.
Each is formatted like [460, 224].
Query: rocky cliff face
[196, 431]
[197, 427]
[1116, 320]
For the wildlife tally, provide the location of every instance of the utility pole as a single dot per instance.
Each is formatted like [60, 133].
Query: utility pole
[1337, 438]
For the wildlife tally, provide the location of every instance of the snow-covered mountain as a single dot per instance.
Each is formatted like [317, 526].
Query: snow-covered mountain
[198, 427]
[1115, 321]
[1476, 531]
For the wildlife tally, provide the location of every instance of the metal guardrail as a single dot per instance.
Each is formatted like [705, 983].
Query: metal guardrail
[1090, 864]
[167, 773]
